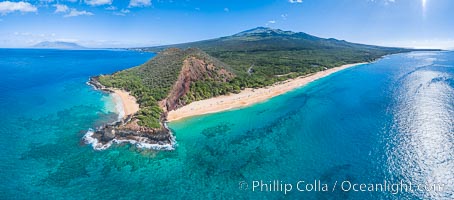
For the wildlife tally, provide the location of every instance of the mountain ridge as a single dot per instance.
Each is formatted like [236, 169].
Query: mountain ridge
[57, 45]
[258, 33]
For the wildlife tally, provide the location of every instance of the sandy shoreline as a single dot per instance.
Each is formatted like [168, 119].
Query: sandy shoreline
[129, 103]
[248, 96]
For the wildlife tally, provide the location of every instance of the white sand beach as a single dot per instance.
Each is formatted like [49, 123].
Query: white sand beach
[248, 96]
[130, 105]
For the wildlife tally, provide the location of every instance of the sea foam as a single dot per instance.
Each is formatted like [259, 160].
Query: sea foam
[118, 106]
[140, 142]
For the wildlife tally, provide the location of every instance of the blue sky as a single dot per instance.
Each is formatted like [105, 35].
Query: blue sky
[129, 23]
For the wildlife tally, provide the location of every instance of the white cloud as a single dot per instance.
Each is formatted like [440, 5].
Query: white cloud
[387, 2]
[31, 38]
[61, 8]
[44, 2]
[284, 16]
[98, 2]
[295, 1]
[226, 10]
[9, 7]
[75, 13]
[66, 40]
[433, 43]
[122, 12]
[139, 3]
[47, 1]
[111, 8]
[384, 2]
[272, 21]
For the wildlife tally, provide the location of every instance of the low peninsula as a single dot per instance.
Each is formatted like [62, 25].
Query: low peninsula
[209, 76]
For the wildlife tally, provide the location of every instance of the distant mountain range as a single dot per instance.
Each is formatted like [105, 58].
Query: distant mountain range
[57, 45]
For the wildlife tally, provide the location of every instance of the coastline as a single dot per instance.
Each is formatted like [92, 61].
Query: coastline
[126, 129]
[249, 96]
[127, 104]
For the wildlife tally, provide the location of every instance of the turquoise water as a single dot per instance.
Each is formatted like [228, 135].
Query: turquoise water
[390, 120]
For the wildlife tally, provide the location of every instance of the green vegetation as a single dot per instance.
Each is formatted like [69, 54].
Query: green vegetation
[153, 81]
[263, 56]
[206, 89]
[258, 57]
[150, 112]
[149, 83]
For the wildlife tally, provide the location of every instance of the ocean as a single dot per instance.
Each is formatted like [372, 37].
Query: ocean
[387, 125]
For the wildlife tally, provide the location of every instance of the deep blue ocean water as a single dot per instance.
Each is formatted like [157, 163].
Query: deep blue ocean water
[389, 120]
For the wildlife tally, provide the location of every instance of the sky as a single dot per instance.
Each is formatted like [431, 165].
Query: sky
[138, 23]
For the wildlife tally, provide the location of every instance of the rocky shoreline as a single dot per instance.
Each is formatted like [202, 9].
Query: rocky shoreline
[127, 130]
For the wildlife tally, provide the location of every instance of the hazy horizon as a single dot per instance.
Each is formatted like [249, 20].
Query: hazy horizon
[154, 45]
[140, 23]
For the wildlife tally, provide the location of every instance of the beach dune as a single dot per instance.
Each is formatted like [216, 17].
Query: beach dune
[248, 96]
